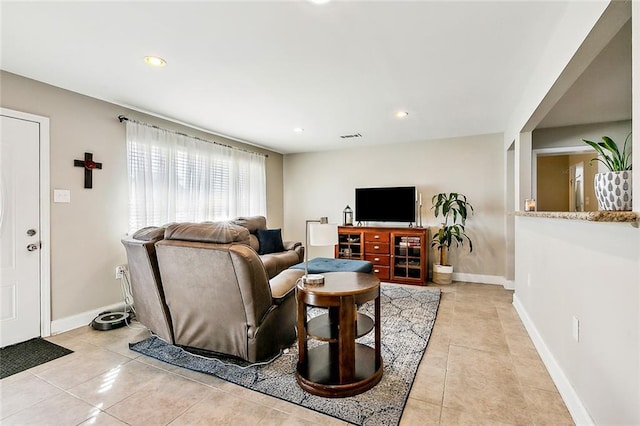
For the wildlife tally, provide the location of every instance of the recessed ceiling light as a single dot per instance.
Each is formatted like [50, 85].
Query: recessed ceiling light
[401, 114]
[319, 1]
[298, 130]
[155, 61]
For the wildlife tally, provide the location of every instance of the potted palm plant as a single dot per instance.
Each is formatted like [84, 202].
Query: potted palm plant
[454, 209]
[613, 188]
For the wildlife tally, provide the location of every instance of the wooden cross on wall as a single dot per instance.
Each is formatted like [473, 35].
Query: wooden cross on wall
[88, 165]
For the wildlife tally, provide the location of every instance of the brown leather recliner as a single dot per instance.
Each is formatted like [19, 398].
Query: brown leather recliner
[218, 292]
[146, 287]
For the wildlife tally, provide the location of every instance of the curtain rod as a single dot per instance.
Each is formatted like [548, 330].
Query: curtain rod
[124, 118]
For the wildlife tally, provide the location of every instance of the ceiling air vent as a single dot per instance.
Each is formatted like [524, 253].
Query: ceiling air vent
[355, 135]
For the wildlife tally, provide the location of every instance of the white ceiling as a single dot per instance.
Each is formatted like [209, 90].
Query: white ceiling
[254, 71]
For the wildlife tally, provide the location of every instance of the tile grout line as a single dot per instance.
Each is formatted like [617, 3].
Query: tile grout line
[446, 370]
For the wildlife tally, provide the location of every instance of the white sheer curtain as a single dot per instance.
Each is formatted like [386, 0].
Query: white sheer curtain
[178, 178]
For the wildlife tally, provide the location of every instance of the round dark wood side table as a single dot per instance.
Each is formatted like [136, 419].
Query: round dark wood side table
[339, 366]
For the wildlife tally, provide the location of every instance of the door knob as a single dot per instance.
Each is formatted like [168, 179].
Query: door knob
[31, 232]
[32, 247]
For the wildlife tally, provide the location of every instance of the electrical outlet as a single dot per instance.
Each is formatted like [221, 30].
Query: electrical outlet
[120, 271]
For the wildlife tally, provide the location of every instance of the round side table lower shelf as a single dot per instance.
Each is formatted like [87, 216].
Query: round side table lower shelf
[321, 375]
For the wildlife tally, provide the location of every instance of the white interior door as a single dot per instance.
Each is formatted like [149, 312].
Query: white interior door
[20, 306]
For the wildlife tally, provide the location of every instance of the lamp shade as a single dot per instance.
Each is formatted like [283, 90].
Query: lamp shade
[323, 234]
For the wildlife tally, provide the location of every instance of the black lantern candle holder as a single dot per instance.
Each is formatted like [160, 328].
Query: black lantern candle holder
[347, 216]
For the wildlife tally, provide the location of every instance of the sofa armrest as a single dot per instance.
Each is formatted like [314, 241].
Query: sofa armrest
[295, 246]
[283, 284]
[291, 245]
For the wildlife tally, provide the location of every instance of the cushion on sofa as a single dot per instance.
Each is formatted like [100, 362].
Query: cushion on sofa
[270, 241]
[270, 263]
[212, 232]
[274, 263]
[253, 242]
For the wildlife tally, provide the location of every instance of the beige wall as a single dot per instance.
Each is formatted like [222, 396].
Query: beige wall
[323, 183]
[85, 234]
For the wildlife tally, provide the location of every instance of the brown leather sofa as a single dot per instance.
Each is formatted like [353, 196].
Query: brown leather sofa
[204, 286]
[276, 262]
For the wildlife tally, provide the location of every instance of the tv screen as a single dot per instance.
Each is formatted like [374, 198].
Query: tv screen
[392, 204]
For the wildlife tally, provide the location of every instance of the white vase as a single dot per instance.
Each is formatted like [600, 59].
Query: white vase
[442, 274]
[613, 190]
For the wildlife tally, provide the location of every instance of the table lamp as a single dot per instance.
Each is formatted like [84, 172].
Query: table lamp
[317, 233]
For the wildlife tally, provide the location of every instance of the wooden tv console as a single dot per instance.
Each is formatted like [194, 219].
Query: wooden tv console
[398, 255]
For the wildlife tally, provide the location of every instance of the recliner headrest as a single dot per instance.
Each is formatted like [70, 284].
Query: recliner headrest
[149, 233]
[211, 232]
[252, 223]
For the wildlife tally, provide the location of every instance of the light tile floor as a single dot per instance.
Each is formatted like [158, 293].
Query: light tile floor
[480, 368]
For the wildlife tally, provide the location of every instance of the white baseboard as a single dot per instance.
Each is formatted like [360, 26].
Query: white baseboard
[479, 279]
[567, 392]
[509, 284]
[82, 319]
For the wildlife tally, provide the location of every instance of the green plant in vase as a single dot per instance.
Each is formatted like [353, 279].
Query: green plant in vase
[613, 188]
[454, 210]
[615, 159]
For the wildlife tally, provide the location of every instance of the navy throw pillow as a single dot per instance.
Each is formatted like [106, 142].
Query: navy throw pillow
[270, 240]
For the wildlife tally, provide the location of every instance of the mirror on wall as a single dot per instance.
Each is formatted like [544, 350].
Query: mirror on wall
[562, 170]
[564, 181]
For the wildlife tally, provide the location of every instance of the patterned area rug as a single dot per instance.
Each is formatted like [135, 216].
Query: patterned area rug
[25, 355]
[408, 315]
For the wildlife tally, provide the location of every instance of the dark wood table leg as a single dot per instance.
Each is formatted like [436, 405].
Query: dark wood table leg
[347, 340]
[334, 345]
[378, 335]
[302, 330]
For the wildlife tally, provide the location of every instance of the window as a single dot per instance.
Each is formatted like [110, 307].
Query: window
[178, 178]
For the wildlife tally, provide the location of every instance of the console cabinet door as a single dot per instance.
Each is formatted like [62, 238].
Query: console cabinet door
[408, 257]
[350, 244]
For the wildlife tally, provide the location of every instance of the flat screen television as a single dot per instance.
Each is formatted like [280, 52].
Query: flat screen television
[386, 204]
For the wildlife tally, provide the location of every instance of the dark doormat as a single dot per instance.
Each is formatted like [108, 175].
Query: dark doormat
[25, 355]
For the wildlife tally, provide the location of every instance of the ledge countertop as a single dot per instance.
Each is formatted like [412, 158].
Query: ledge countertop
[600, 216]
